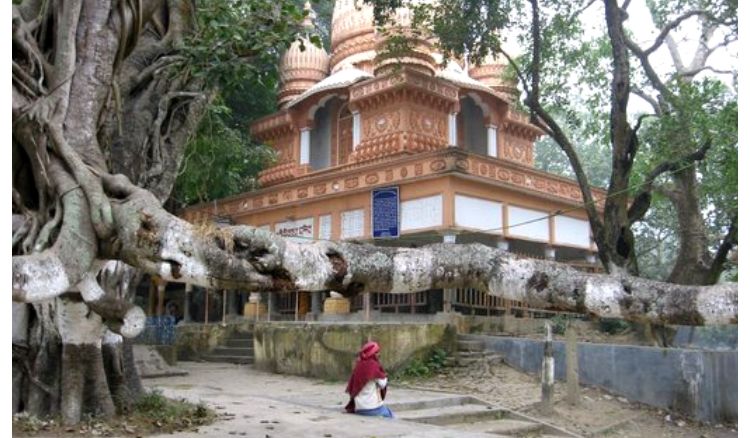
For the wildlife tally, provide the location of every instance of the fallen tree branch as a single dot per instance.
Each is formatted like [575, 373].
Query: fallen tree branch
[258, 260]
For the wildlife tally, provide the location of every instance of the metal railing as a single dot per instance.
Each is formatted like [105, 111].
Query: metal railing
[392, 302]
[158, 330]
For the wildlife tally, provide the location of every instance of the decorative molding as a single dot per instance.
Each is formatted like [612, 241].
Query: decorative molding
[395, 171]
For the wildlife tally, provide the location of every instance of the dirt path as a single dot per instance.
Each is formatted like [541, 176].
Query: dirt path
[597, 414]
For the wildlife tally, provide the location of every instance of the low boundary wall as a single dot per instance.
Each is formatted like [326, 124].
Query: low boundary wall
[700, 384]
[328, 350]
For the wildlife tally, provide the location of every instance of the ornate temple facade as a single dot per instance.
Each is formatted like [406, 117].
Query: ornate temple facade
[351, 122]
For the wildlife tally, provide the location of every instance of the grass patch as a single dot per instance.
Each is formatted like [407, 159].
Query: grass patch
[152, 414]
[423, 368]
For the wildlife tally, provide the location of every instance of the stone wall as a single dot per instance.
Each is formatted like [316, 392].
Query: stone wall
[697, 383]
[327, 350]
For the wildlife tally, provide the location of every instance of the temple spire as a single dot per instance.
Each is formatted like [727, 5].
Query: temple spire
[309, 20]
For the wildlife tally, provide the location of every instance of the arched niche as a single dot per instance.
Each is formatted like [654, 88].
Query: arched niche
[471, 127]
[324, 126]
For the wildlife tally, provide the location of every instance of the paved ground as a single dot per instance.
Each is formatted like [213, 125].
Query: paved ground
[258, 404]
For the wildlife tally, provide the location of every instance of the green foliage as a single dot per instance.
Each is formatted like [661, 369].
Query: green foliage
[419, 368]
[237, 41]
[559, 324]
[613, 326]
[235, 49]
[220, 161]
[158, 408]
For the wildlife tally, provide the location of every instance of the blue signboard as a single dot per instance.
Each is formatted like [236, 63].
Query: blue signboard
[385, 213]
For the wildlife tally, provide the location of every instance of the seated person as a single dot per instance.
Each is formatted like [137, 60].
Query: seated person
[368, 383]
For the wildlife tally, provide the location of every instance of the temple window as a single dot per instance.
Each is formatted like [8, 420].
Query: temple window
[346, 134]
[472, 130]
[321, 134]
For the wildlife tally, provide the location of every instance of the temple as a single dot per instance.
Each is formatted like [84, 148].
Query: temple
[442, 143]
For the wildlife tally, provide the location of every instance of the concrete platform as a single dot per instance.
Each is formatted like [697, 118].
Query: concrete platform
[259, 404]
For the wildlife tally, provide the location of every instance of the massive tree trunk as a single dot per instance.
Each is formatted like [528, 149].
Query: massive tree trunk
[99, 129]
[92, 93]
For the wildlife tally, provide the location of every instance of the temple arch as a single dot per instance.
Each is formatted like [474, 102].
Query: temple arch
[471, 126]
[323, 128]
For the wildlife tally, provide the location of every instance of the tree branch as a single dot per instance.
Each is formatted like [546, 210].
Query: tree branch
[650, 100]
[51, 273]
[669, 27]
[729, 242]
[642, 200]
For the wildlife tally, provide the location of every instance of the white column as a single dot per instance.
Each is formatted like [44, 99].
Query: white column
[304, 146]
[549, 253]
[503, 245]
[356, 129]
[492, 141]
[452, 129]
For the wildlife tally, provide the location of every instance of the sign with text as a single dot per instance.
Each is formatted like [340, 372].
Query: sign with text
[296, 229]
[385, 203]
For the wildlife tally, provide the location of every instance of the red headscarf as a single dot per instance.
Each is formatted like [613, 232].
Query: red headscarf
[368, 368]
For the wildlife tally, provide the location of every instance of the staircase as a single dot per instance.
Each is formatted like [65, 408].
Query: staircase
[470, 354]
[468, 414]
[237, 349]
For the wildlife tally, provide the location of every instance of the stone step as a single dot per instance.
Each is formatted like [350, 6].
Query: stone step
[242, 335]
[244, 343]
[466, 362]
[470, 345]
[504, 427]
[228, 359]
[471, 354]
[452, 414]
[232, 351]
[441, 402]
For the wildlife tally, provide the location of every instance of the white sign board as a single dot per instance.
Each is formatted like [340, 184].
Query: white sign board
[352, 224]
[571, 231]
[532, 224]
[324, 227]
[302, 229]
[479, 214]
[422, 213]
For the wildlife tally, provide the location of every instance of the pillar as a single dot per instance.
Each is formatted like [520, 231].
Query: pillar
[356, 129]
[186, 306]
[304, 146]
[315, 300]
[366, 305]
[207, 301]
[548, 370]
[492, 141]
[452, 130]
[503, 245]
[448, 293]
[161, 288]
[549, 252]
[571, 364]
[271, 304]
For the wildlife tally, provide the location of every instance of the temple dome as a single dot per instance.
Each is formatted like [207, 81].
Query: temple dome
[493, 72]
[352, 35]
[420, 56]
[302, 65]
